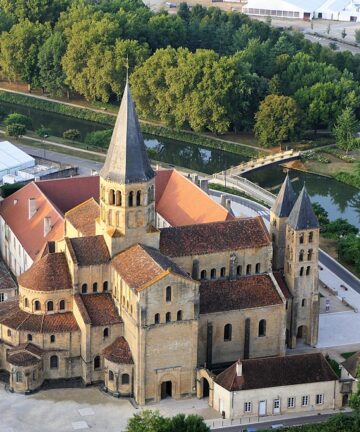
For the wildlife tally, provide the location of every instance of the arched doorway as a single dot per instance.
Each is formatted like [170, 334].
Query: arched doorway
[166, 389]
[301, 334]
[205, 387]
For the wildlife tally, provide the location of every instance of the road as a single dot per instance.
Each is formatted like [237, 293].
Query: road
[325, 42]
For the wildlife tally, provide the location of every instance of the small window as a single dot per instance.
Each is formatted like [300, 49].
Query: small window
[52, 338]
[97, 362]
[54, 362]
[262, 328]
[18, 376]
[291, 402]
[62, 305]
[29, 337]
[106, 332]
[168, 294]
[227, 332]
[311, 236]
[95, 287]
[319, 399]
[9, 333]
[213, 274]
[310, 254]
[168, 316]
[248, 269]
[239, 270]
[84, 288]
[118, 201]
[302, 271]
[157, 318]
[131, 199]
[301, 255]
[125, 379]
[301, 238]
[303, 303]
[138, 198]
[111, 376]
[37, 305]
[222, 272]
[50, 306]
[203, 274]
[105, 286]
[26, 302]
[305, 401]
[179, 315]
[308, 268]
[247, 407]
[257, 268]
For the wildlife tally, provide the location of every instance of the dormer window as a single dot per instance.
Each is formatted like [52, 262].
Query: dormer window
[47, 225]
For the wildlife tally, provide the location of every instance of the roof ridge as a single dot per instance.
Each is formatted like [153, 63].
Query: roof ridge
[80, 205]
[23, 321]
[55, 207]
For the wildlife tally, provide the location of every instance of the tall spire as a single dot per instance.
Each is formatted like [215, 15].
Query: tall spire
[127, 160]
[285, 199]
[302, 215]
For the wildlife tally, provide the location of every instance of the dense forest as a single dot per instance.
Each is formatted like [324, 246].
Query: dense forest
[200, 68]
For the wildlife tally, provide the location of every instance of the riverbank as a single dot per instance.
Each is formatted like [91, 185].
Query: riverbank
[104, 117]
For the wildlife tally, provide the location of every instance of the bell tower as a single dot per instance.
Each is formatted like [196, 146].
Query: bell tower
[301, 270]
[127, 185]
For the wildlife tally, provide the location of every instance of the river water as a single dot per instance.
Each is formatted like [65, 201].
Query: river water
[338, 199]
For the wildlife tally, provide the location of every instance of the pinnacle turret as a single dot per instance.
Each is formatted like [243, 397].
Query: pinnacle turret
[285, 199]
[302, 215]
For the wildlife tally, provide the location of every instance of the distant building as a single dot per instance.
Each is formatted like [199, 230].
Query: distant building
[12, 159]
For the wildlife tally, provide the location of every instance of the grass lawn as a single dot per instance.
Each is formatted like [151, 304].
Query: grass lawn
[346, 355]
[335, 165]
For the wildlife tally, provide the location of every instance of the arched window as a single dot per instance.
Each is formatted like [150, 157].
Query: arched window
[50, 306]
[37, 305]
[125, 379]
[152, 194]
[301, 255]
[239, 270]
[168, 294]
[138, 198]
[227, 332]
[54, 362]
[131, 199]
[105, 286]
[168, 316]
[262, 328]
[84, 288]
[301, 238]
[26, 302]
[248, 269]
[29, 337]
[310, 254]
[111, 197]
[62, 305]
[303, 303]
[18, 376]
[157, 318]
[213, 274]
[106, 332]
[9, 333]
[203, 274]
[118, 201]
[111, 376]
[302, 271]
[308, 268]
[95, 287]
[257, 268]
[179, 315]
[311, 236]
[52, 338]
[222, 272]
[97, 362]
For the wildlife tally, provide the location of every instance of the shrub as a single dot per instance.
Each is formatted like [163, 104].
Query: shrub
[100, 138]
[18, 119]
[72, 134]
[43, 132]
[15, 130]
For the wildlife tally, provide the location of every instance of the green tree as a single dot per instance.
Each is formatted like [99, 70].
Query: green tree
[72, 134]
[99, 138]
[340, 228]
[190, 423]
[349, 251]
[321, 214]
[148, 421]
[34, 10]
[276, 120]
[15, 130]
[357, 35]
[345, 129]
[16, 118]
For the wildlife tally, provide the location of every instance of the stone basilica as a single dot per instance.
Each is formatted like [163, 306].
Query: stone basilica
[148, 311]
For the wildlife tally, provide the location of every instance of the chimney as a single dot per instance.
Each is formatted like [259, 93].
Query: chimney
[223, 200]
[238, 368]
[47, 225]
[32, 207]
[195, 179]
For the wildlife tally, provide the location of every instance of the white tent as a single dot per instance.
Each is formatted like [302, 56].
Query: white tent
[298, 9]
[12, 159]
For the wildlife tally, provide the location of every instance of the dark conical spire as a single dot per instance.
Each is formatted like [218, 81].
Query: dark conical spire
[285, 200]
[127, 160]
[302, 215]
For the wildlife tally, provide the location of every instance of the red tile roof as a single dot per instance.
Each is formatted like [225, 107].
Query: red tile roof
[98, 309]
[180, 202]
[24, 355]
[277, 371]
[118, 352]
[50, 273]
[244, 293]
[214, 237]
[86, 251]
[83, 216]
[6, 281]
[141, 265]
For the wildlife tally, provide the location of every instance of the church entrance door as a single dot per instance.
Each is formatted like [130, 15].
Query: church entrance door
[166, 389]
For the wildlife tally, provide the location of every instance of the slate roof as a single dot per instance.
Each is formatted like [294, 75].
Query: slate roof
[50, 273]
[83, 216]
[141, 265]
[118, 352]
[302, 215]
[127, 160]
[214, 237]
[97, 309]
[277, 371]
[244, 293]
[285, 200]
[351, 364]
[86, 251]
[24, 355]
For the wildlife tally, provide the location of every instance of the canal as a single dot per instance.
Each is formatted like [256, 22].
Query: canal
[338, 199]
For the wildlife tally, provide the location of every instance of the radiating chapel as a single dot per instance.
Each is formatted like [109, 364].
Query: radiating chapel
[147, 311]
